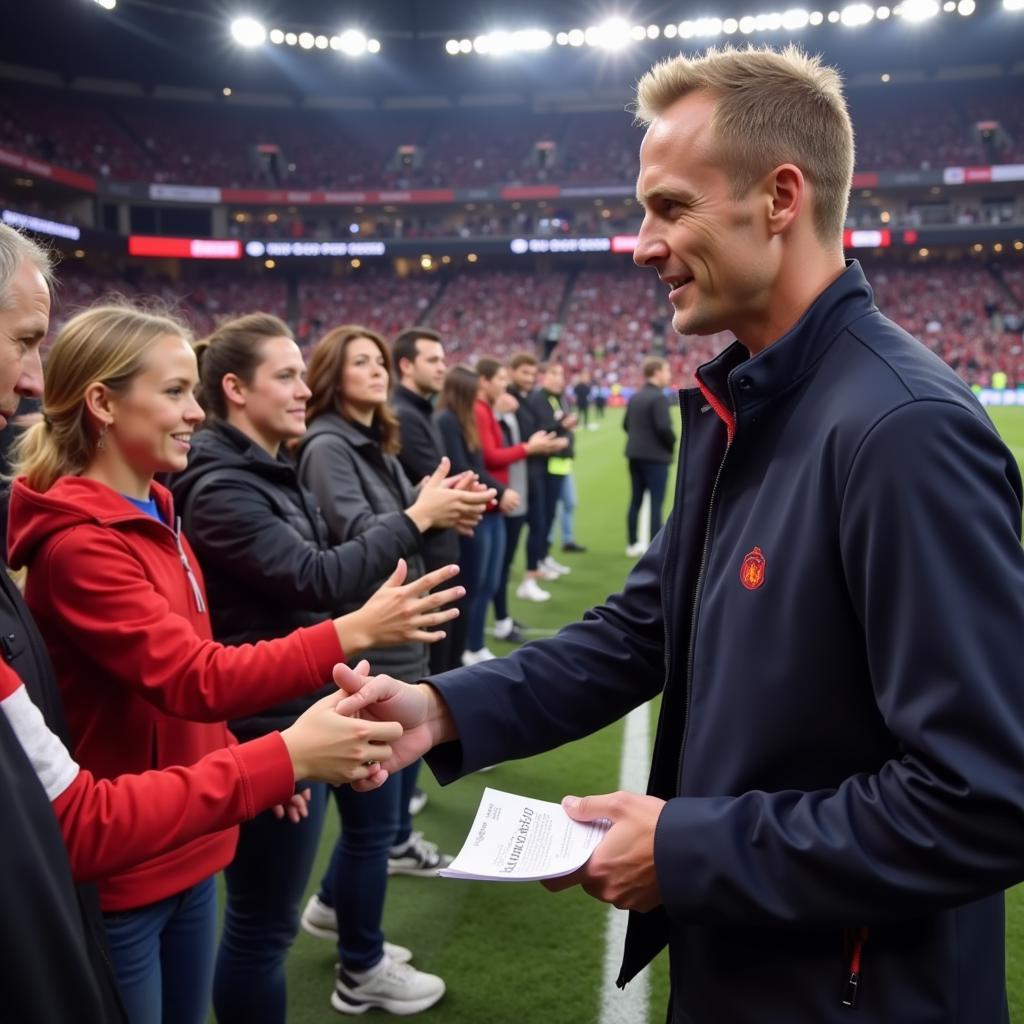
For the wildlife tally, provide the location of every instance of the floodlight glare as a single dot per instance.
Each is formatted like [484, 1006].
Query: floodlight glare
[276, 36]
[882, 13]
[730, 26]
[709, 26]
[248, 32]
[816, 18]
[532, 39]
[562, 39]
[291, 38]
[452, 46]
[671, 31]
[321, 42]
[465, 45]
[353, 42]
[1013, 5]
[686, 29]
[762, 22]
[638, 33]
[612, 34]
[856, 15]
[774, 21]
[949, 6]
[795, 18]
[373, 46]
[918, 10]
[653, 31]
[306, 40]
[107, 5]
[833, 17]
[966, 8]
[577, 37]
[747, 24]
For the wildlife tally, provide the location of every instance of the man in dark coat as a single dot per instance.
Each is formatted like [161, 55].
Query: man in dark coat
[831, 614]
[650, 445]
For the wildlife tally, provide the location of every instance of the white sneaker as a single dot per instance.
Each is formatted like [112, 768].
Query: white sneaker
[394, 987]
[635, 550]
[556, 567]
[530, 590]
[475, 657]
[319, 920]
[546, 574]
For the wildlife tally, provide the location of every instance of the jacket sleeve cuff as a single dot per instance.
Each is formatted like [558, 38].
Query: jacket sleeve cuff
[322, 648]
[266, 771]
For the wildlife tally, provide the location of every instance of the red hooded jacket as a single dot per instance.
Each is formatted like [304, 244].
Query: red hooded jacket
[120, 600]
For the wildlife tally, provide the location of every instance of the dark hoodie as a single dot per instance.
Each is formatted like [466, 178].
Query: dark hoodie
[269, 560]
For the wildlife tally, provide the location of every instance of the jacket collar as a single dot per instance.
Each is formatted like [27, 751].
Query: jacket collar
[332, 423]
[744, 384]
[406, 396]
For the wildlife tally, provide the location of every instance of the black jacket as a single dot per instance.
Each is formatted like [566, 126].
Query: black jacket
[364, 493]
[270, 564]
[422, 449]
[832, 615]
[648, 426]
[549, 410]
[55, 968]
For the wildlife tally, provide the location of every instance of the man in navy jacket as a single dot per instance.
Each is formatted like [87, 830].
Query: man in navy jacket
[831, 614]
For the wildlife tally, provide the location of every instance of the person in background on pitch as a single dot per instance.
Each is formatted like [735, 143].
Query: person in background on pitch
[650, 447]
[500, 461]
[581, 391]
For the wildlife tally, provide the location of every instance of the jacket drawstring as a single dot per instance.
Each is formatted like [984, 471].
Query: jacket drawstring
[196, 592]
[853, 981]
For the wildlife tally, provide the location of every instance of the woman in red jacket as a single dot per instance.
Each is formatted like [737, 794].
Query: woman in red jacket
[118, 596]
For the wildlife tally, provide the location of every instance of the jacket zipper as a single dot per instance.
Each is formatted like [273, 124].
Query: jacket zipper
[196, 592]
[701, 573]
[853, 977]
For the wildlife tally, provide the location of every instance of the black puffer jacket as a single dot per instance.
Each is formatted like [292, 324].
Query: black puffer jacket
[362, 493]
[270, 563]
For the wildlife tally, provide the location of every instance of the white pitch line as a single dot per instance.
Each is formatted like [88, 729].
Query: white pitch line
[628, 1005]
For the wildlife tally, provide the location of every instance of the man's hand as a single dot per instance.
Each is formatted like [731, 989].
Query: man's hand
[621, 869]
[418, 709]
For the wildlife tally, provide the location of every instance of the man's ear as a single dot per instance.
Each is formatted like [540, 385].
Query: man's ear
[787, 191]
[234, 390]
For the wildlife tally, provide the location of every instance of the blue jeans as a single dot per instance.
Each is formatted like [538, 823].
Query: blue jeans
[646, 475]
[162, 955]
[567, 505]
[265, 885]
[356, 879]
[552, 493]
[489, 540]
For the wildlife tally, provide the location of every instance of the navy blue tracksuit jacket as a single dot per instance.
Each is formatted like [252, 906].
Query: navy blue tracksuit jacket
[833, 615]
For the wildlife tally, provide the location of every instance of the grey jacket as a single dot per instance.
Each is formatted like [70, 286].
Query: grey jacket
[358, 487]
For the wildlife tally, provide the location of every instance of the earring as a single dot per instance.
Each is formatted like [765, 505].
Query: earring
[99, 439]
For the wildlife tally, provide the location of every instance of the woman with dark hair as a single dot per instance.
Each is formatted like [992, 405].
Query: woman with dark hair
[347, 459]
[270, 567]
[481, 556]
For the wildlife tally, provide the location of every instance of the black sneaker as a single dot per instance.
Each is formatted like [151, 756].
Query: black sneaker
[417, 857]
[573, 548]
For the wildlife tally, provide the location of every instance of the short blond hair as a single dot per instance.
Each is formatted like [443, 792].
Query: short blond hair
[106, 344]
[771, 107]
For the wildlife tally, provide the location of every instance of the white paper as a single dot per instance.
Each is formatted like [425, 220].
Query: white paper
[519, 839]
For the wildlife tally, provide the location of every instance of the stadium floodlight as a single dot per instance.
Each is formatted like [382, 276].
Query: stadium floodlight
[966, 8]
[687, 29]
[352, 42]
[613, 34]
[291, 38]
[795, 18]
[1013, 5]
[708, 27]
[747, 24]
[833, 17]
[918, 10]
[107, 5]
[562, 38]
[577, 37]
[321, 42]
[373, 46]
[855, 15]
[276, 36]
[882, 13]
[671, 31]
[638, 33]
[816, 18]
[532, 39]
[452, 47]
[949, 6]
[306, 40]
[248, 32]
[465, 45]
[653, 31]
